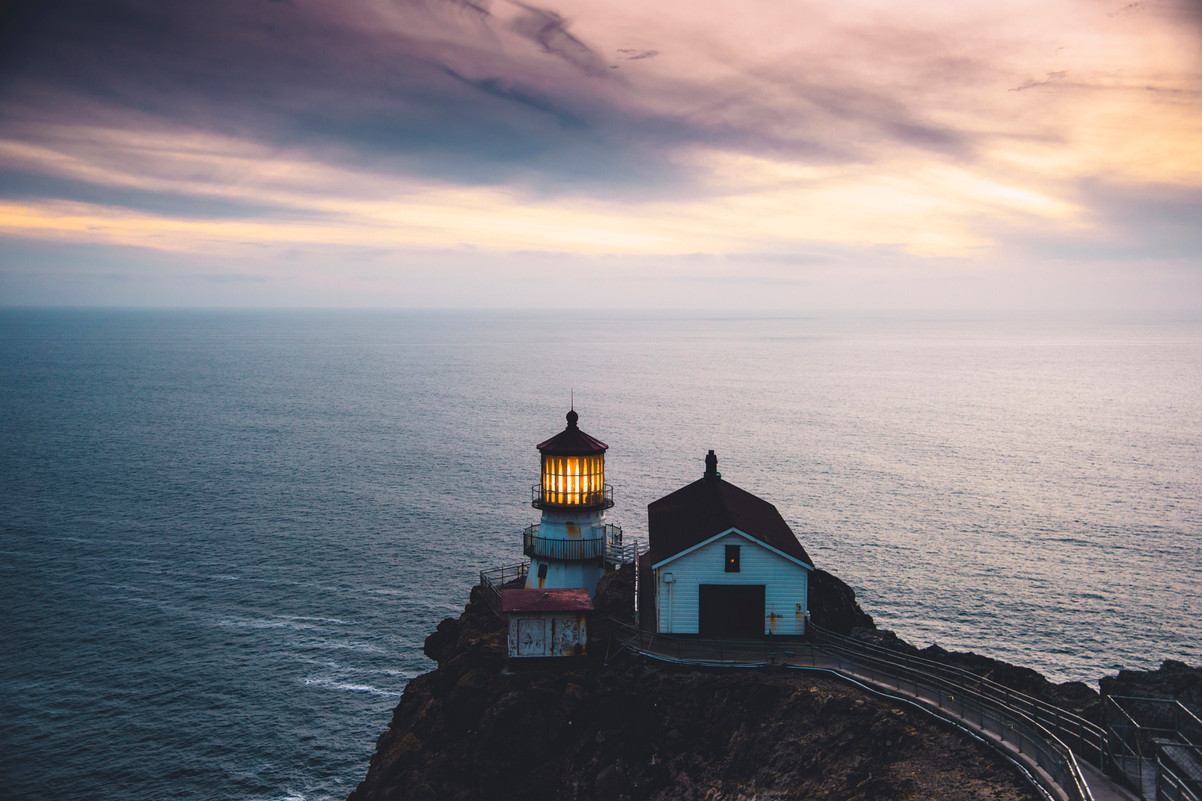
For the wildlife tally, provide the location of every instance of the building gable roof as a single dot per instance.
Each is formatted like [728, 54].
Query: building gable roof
[723, 536]
[710, 506]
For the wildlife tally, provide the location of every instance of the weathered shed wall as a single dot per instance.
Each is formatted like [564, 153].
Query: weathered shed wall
[547, 634]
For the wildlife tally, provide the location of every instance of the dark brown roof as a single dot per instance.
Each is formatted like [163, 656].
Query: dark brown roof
[564, 599]
[708, 507]
[572, 441]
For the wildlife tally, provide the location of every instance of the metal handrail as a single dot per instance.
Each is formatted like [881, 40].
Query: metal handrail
[1015, 727]
[1171, 785]
[621, 554]
[1138, 748]
[1090, 738]
[565, 550]
[1035, 731]
[491, 582]
[602, 498]
[608, 546]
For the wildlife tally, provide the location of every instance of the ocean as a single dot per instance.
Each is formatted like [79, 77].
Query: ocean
[224, 535]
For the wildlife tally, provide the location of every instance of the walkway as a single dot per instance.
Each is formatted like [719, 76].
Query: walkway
[1102, 788]
[1017, 726]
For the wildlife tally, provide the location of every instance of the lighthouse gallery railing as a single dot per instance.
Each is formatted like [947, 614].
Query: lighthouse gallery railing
[541, 497]
[608, 546]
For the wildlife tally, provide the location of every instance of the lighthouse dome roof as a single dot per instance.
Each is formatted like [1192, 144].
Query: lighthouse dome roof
[572, 441]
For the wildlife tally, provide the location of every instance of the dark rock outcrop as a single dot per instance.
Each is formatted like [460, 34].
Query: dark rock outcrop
[476, 638]
[614, 597]
[629, 728]
[637, 729]
[1172, 679]
[833, 605]
[1074, 696]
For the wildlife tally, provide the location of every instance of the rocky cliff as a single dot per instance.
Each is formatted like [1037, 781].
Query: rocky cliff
[1074, 696]
[629, 728]
[615, 726]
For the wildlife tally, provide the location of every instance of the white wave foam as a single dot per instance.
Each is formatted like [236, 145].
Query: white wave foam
[321, 663]
[332, 645]
[335, 667]
[331, 684]
[261, 623]
[289, 795]
[305, 619]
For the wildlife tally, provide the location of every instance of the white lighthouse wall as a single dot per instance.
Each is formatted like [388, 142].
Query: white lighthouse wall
[554, 524]
[786, 584]
[564, 574]
[565, 525]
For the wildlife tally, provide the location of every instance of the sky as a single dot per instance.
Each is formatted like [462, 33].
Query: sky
[773, 154]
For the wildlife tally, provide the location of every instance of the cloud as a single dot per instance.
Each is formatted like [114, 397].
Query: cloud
[1052, 77]
[631, 54]
[550, 31]
[498, 126]
[458, 90]
[524, 97]
[24, 185]
[1126, 223]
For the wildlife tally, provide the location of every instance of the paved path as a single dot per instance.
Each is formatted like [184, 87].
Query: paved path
[990, 727]
[1102, 788]
[987, 728]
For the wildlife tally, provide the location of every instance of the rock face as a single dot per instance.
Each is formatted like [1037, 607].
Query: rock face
[1175, 680]
[613, 726]
[833, 605]
[637, 729]
[615, 595]
[1074, 696]
[1172, 679]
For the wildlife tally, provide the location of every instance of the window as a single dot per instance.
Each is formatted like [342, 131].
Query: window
[732, 558]
[542, 571]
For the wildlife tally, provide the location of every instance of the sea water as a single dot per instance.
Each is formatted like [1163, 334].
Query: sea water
[224, 535]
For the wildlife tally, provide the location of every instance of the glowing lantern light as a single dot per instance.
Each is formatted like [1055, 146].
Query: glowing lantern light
[573, 471]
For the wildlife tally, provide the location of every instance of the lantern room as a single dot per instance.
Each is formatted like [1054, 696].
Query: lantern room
[573, 471]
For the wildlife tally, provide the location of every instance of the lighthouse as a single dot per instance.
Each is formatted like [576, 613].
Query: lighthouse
[572, 545]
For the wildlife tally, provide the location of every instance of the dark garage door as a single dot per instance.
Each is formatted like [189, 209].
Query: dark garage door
[732, 610]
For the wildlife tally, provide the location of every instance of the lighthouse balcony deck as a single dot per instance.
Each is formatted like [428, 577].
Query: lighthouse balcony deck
[545, 498]
[608, 547]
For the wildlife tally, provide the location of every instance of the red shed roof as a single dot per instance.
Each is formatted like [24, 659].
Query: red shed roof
[572, 441]
[709, 506]
[563, 599]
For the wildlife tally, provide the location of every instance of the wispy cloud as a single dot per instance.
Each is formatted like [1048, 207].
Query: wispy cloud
[657, 130]
[550, 32]
[1052, 77]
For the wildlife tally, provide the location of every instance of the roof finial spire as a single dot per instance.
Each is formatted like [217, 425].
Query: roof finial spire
[572, 416]
[571, 411]
[711, 466]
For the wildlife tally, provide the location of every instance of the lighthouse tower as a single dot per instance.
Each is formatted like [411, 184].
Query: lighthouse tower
[572, 544]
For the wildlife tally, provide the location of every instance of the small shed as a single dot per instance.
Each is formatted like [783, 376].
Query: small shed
[724, 563]
[546, 623]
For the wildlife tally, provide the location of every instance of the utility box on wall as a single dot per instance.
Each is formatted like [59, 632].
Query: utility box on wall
[547, 623]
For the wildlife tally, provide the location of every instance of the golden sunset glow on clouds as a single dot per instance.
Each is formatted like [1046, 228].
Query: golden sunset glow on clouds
[777, 142]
